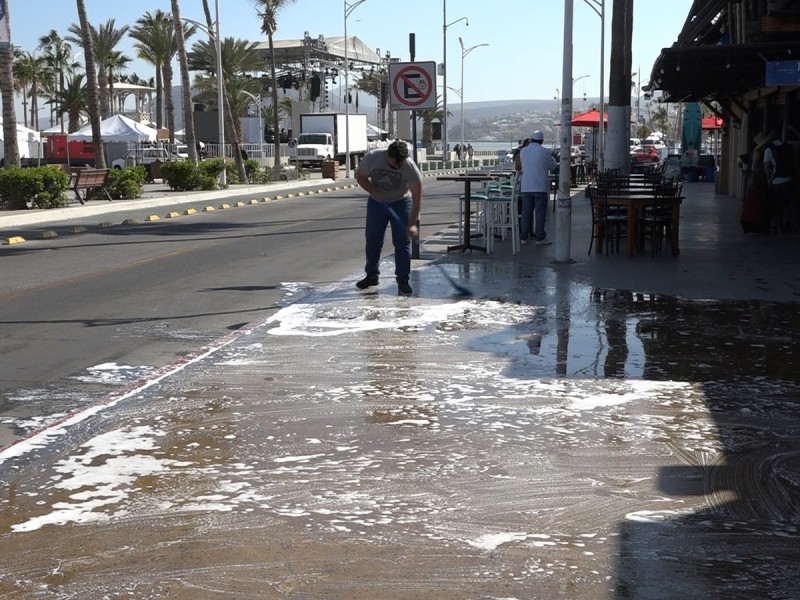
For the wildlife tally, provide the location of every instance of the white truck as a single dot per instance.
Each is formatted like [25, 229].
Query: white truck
[323, 137]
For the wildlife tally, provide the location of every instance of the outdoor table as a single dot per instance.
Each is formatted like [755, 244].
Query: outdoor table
[467, 179]
[633, 203]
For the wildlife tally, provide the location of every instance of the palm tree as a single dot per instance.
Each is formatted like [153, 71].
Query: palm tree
[188, 112]
[428, 117]
[240, 102]
[619, 92]
[104, 40]
[91, 76]
[9, 111]
[154, 34]
[60, 61]
[239, 57]
[268, 11]
[72, 100]
[116, 62]
[22, 69]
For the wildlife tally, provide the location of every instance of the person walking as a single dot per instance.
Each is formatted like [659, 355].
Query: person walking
[779, 167]
[394, 185]
[536, 162]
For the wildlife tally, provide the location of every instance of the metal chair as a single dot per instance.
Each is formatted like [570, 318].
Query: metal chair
[501, 215]
[607, 226]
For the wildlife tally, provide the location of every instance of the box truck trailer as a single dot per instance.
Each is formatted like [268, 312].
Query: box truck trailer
[323, 137]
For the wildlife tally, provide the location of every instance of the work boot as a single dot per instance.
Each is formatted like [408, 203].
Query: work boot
[368, 281]
[403, 289]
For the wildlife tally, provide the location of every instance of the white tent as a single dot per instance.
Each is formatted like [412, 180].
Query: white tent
[28, 141]
[118, 128]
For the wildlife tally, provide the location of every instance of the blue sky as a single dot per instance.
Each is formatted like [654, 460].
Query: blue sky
[523, 59]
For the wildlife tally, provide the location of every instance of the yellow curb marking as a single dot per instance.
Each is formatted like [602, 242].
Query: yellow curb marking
[190, 211]
[278, 197]
[173, 214]
[240, 203]
[77, 229]
[152, 218]
[47, 234]
[267, 198]
[16, 239]
[224, 206]
[208, 209]
[105, 225]
[253, 201]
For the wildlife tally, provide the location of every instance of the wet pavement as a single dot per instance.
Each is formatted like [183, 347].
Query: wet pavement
[569, 431]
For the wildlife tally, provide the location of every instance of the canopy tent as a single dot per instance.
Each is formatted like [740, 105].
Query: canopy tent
[118, 128]
[709, 123]
[24, 134]
[28, 141]
[589, 119]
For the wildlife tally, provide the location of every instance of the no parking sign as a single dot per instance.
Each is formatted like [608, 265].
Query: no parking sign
[413, 85]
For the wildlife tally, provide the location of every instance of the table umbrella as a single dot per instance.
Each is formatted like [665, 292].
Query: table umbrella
[589, 119]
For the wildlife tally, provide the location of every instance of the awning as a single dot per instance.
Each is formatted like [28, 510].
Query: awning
[723, 49]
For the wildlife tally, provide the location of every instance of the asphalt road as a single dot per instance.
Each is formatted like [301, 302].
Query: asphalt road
[84, 311]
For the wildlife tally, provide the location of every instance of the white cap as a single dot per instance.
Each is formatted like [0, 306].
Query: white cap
[537, 136]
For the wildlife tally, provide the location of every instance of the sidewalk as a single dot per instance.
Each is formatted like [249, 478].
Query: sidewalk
[598, 429]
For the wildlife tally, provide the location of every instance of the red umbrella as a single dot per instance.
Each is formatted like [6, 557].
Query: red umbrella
[589, 119]
[711, 123]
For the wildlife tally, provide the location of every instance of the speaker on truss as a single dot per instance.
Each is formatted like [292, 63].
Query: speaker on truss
[315, 87]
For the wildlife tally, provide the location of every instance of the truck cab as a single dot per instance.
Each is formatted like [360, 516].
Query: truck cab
[313, 148]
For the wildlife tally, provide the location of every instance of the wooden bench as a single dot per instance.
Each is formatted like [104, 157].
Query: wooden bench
[88, 179]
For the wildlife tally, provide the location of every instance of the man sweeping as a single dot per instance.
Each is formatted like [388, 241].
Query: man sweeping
[394, 185]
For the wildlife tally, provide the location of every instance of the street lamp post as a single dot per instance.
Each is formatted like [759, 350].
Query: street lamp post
[445, 25]
[348, 8]
[599, 7]
[576, 80]
[215, 35]
[564, 203]
[464, 52]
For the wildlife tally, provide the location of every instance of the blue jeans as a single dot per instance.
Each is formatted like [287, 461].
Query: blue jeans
[534, 206]
[378, 217]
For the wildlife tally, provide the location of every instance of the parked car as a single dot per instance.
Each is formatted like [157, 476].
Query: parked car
[642, 156]
[144, 156]
[180, 152]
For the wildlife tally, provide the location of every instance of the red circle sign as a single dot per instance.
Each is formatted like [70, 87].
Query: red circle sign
[412, 86]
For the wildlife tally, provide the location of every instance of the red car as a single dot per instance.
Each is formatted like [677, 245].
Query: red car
[644, 155]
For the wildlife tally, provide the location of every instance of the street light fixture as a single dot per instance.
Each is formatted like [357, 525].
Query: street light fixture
[445, 25]
[215, 35]
[464, 52]
[348, 8]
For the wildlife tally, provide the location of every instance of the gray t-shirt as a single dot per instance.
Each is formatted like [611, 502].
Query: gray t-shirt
[393, 184]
